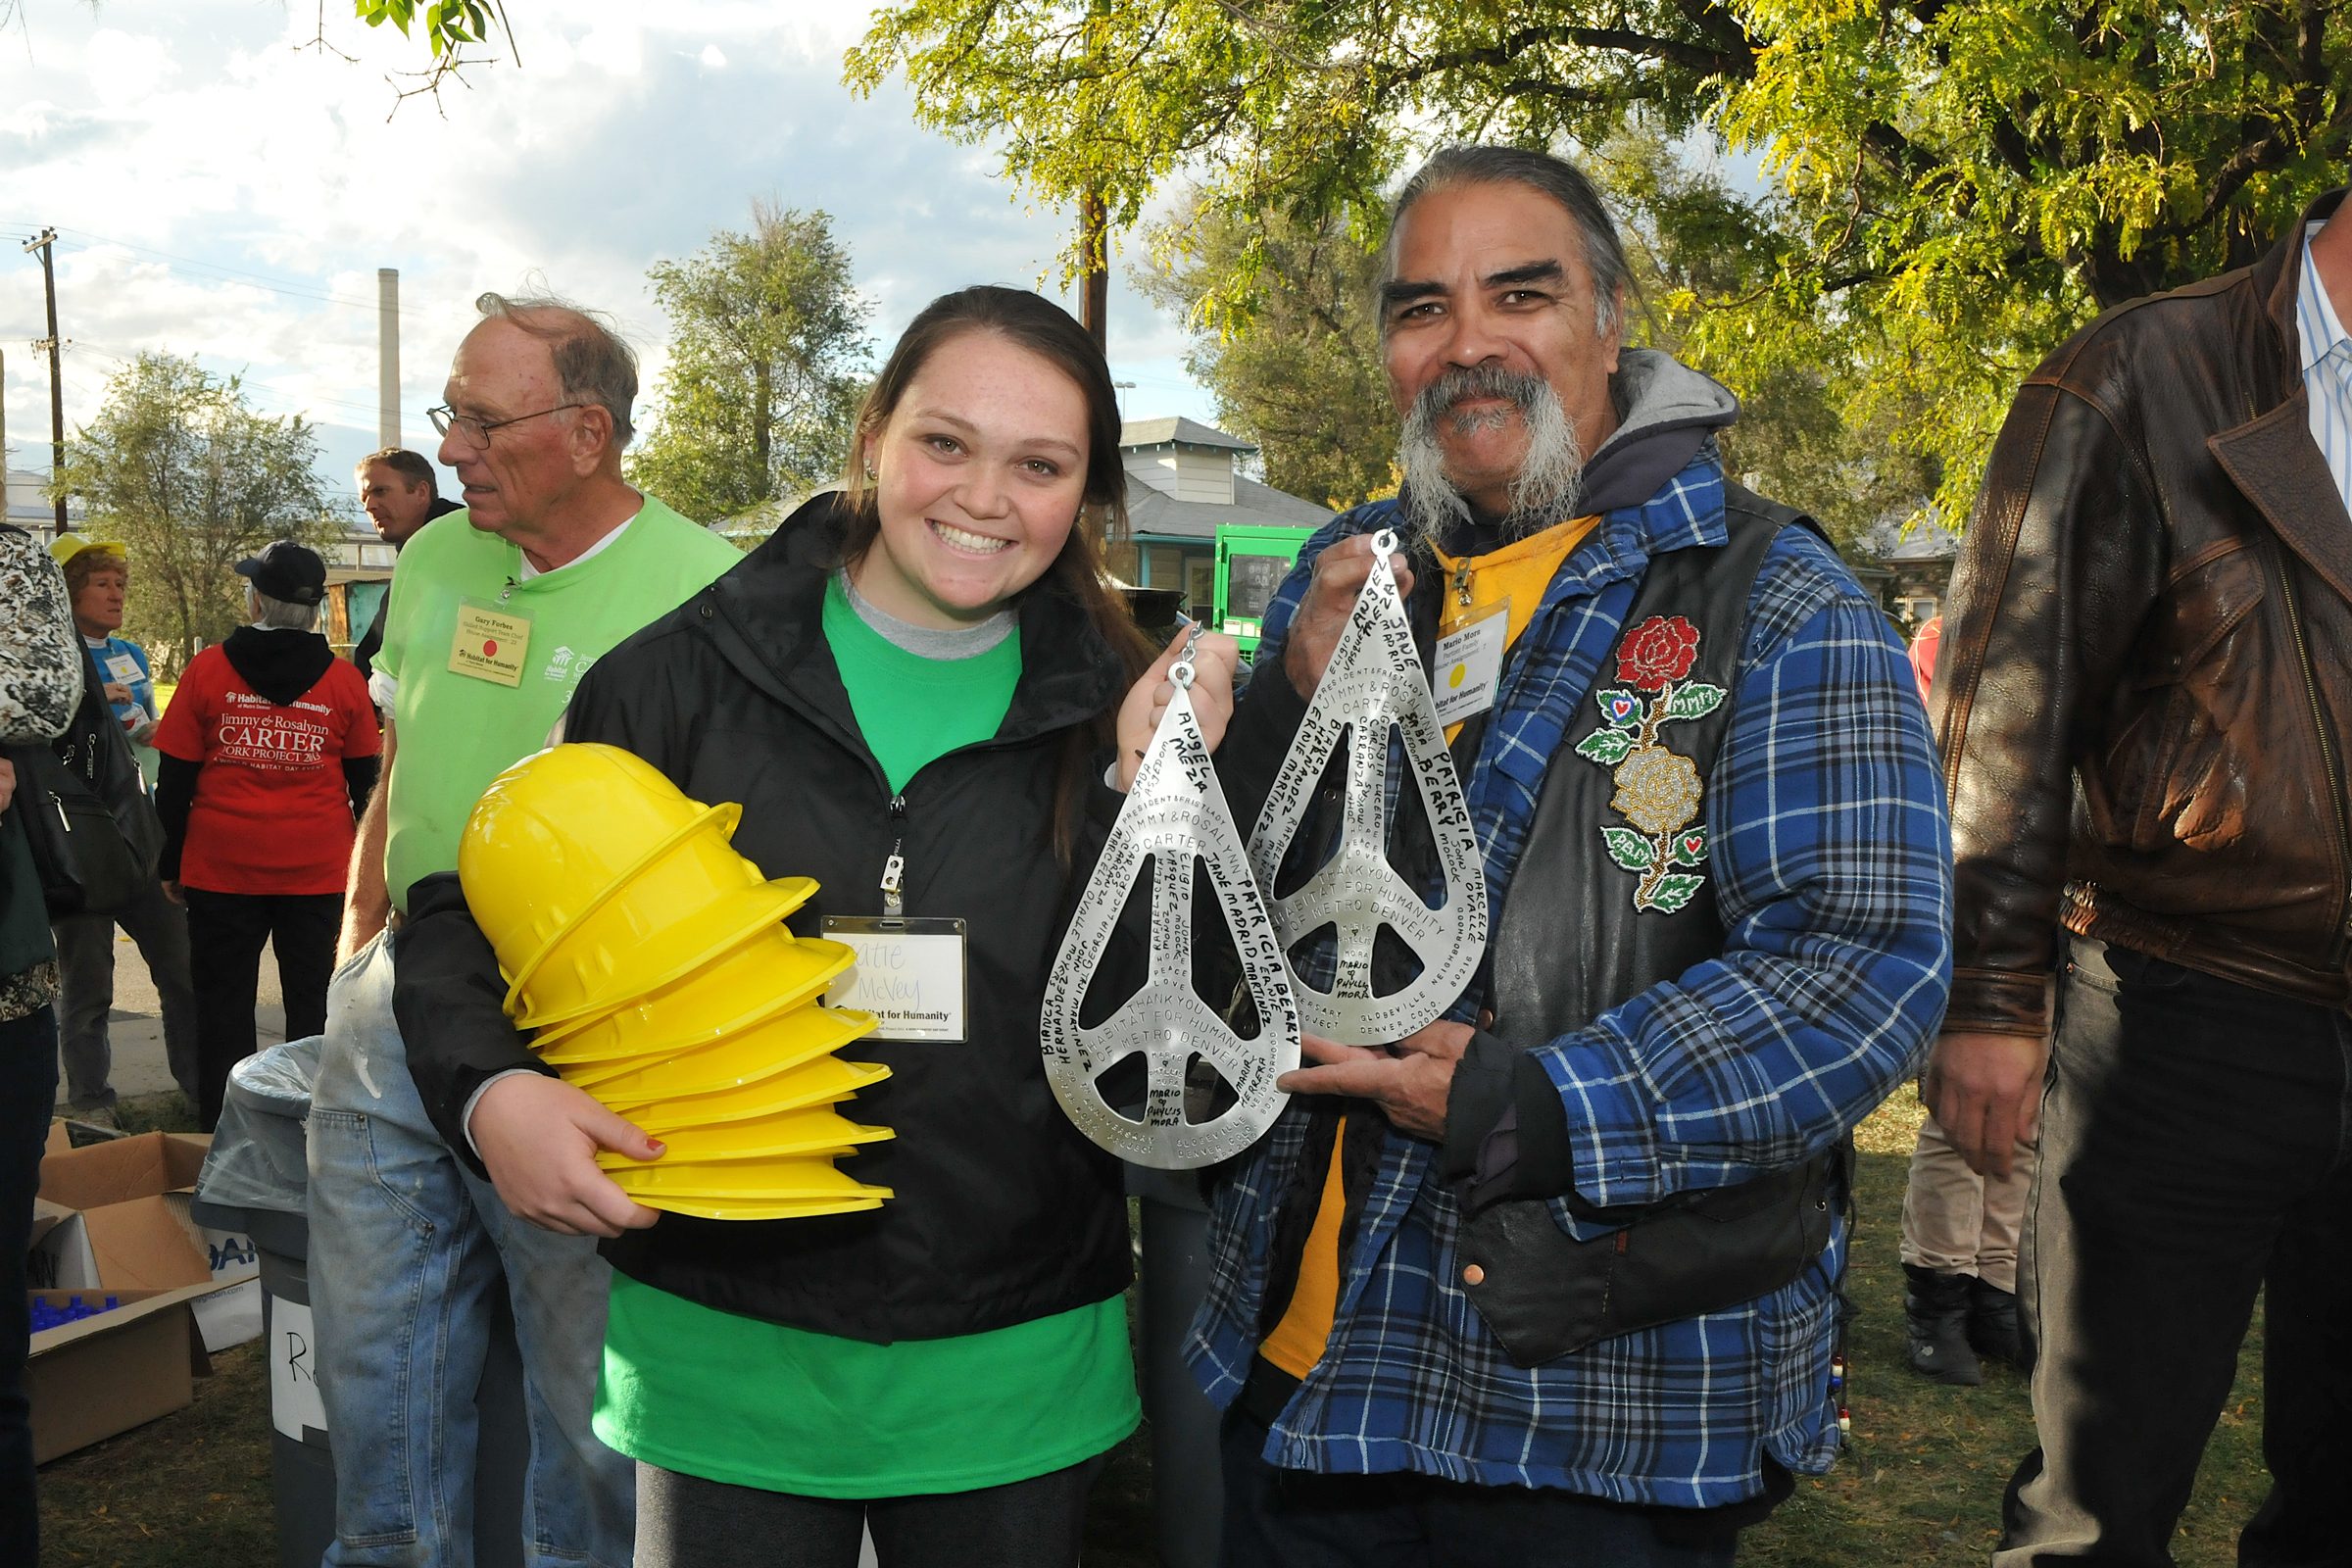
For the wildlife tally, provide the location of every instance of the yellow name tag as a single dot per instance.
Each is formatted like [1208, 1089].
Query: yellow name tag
[490, 644]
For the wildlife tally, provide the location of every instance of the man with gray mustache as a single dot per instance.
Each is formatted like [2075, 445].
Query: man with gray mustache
[1553, 1278]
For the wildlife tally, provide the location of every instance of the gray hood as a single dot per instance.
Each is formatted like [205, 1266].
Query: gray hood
[1666, 413]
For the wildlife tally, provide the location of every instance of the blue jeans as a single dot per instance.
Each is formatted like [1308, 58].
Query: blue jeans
[406, 1247]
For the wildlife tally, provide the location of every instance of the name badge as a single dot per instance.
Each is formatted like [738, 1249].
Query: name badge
[1469, 665]
[490, 643]
[909, 974]
[125, 670]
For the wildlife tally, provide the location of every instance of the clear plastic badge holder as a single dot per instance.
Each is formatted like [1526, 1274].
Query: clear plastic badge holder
[1175, 813]
[1373, 685]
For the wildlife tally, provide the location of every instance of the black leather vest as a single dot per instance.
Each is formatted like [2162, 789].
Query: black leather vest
[1570, 943]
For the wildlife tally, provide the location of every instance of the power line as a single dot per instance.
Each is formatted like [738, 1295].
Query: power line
[239, 277]
[297, 401]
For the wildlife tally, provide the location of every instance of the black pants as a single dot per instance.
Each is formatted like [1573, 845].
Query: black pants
[2196, 1147]
[27, 1091]
[686, 1522]
[1288, 1519]
[226, 934]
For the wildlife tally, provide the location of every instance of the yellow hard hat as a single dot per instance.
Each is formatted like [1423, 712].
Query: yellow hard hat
[761, 1208]
[824, 1081]
[786, 1178]
[818, 1131]
[653, 929]
[783, 1042]
[553, 834]
[749, 983]
[68, 545]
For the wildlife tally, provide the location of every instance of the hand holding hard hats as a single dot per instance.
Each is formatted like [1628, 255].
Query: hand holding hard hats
[650, 958]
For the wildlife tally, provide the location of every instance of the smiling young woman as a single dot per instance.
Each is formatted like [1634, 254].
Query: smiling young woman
[913, 689]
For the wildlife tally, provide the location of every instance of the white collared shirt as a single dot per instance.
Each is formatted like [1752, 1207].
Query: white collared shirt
[2326, 369]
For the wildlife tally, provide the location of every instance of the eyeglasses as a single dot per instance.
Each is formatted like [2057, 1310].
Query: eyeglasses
[476, 433]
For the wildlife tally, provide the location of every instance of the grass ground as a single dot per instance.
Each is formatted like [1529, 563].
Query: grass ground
[1919, 1483]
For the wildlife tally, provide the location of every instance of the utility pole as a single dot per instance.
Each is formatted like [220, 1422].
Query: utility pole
[387, 356]
[43, 243]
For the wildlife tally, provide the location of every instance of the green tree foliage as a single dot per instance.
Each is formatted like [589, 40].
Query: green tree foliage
[1954, 186]
[192, 480]
[1803, 436]
[1301, 375]
[767, 362]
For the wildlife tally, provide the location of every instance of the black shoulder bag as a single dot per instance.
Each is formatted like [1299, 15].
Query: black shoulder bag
[95, 833]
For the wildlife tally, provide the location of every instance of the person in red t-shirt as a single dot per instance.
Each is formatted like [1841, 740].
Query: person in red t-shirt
[268, 754]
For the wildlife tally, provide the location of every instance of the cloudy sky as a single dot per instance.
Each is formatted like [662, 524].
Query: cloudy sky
[220, 191]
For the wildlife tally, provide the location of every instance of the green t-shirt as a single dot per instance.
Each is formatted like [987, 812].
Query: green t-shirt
[752, 1403]
[456, 731]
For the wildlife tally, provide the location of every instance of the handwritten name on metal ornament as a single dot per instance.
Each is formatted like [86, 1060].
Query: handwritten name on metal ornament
[1374, 683]
[1174, 815]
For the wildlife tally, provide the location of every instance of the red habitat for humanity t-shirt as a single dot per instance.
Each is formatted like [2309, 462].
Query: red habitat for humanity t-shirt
[272, 812]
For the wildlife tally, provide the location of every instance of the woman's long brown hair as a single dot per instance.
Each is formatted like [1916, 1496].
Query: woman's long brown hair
[1047, 331]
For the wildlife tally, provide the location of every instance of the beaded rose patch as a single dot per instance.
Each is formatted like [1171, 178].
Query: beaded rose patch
[1658, 790]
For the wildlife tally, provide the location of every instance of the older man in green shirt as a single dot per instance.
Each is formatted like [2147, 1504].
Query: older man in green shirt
[495, 613]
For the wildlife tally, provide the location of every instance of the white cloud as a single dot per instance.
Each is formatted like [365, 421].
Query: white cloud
[124, 68]
[222, 191]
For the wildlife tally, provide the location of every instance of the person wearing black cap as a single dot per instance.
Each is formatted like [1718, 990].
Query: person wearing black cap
[269, 755]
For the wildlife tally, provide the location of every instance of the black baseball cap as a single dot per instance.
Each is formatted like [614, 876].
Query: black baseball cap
[286, 570]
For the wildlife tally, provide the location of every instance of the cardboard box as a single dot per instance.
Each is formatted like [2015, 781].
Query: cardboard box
[107, 1373]
[129, 1229]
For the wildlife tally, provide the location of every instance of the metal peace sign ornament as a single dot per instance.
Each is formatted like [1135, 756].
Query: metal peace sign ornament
[1174, 813]
[1375, 682]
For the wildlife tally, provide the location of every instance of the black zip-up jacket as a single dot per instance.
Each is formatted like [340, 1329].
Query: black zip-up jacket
[1004, 1211]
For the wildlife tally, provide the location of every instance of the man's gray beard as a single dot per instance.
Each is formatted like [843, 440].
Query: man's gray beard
[1549, 475]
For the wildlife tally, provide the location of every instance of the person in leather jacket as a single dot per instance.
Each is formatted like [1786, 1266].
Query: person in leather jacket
[913, 689]
[2144, 704]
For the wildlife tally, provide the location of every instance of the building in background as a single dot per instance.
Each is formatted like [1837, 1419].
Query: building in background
[1917, 568]
[358, 573]
[29, 505]
[1182, 485]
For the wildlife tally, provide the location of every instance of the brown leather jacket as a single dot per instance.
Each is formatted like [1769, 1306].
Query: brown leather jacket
[2144, 700]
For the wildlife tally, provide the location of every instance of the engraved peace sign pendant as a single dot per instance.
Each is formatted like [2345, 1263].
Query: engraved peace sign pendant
[1373, 687]
[1175, 813]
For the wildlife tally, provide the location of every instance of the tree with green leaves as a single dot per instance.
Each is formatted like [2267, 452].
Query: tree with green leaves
[1951, 187]
[766, 362]
[1301, 375]
[192, 480]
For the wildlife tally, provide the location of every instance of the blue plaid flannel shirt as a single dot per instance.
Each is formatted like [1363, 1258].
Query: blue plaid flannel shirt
[1831, 858]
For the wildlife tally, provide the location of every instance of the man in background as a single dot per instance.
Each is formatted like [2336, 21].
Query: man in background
[2144, 704]
[494, 615]
[399, 495]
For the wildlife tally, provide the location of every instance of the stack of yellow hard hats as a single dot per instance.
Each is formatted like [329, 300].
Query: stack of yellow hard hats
[653, 964]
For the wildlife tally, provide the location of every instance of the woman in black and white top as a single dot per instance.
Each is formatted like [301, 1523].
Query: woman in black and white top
[40, 684]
